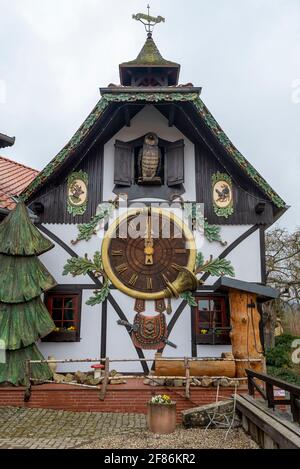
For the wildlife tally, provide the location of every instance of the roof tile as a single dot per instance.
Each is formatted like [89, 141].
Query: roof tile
[14, 178]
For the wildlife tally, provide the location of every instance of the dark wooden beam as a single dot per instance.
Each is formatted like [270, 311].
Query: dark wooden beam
[127, 116]
[171, 116]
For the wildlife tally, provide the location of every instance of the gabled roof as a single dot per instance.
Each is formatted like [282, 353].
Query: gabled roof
[152, 96]
[6, 141]
[14, 178]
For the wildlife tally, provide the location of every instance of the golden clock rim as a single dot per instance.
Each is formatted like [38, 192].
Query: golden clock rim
[106, 261]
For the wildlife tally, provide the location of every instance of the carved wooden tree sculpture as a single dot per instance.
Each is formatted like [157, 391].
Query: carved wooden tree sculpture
[23, 278]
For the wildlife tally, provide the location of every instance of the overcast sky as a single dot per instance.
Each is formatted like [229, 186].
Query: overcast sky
[55, 54]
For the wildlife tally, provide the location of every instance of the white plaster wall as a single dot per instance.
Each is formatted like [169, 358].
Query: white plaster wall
[147, 120]
[89, 345]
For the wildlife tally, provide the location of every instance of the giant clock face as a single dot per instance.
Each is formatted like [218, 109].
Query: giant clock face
[142, 251]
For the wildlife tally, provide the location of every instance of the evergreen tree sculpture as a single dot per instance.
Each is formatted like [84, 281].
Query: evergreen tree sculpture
[23, 278]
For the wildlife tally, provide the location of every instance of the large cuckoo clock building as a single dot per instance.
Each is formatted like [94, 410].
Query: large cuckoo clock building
[151, 158]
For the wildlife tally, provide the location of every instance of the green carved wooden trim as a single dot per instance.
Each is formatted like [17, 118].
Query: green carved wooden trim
[23, 324]
[87, 230]
[83, 266]
[232, 151]
[13, 370]
[156, 97]
[19, 237]
[74, 207]
[193, 211]
[23, 278]
[216, 267]
[223, 211]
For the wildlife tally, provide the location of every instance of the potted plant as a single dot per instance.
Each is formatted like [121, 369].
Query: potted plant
[161, 415]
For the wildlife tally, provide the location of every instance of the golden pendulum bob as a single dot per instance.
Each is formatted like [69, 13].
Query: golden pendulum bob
[185, 281]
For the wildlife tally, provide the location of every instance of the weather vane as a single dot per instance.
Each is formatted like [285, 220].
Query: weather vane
[148, 21]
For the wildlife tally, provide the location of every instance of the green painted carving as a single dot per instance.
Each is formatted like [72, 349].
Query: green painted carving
[20, 238]
[23, 323]
[189, 298]
[83, 132]
[212, 233]
[82, 266]
[77, 193]
[87, 230]
[23, 278]
[216, 267]
[23, 317]
[223, 211]
[13, 370]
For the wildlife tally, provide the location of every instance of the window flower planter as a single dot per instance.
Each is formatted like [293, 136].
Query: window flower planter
[61, 336]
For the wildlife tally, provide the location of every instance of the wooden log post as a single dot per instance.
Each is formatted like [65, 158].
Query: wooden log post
[105, 380]
[245, 335]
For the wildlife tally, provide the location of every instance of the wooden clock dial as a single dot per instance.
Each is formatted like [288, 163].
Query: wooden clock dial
[141, 267]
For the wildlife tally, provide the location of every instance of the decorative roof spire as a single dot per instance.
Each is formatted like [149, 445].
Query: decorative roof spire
[148, 21]
[149, 68]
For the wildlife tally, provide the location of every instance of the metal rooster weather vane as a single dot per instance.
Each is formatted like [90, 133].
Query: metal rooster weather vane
[148, 21]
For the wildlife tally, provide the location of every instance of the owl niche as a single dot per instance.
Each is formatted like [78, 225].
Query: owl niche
[150, 161]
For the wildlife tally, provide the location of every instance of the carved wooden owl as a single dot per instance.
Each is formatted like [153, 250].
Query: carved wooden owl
[150, 157]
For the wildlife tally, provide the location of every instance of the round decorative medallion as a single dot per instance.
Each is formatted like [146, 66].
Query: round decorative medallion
[222, 195]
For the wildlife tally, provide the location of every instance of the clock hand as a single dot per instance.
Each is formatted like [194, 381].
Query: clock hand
[149, 250]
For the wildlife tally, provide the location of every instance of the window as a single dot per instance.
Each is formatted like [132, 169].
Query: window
[64, 309]
[212, 321]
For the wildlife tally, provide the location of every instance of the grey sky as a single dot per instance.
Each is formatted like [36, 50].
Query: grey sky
[55, 54]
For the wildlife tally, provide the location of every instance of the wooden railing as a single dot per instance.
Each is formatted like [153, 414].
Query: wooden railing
[268, 392]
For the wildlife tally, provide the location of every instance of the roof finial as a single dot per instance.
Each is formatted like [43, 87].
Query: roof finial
[148, 21]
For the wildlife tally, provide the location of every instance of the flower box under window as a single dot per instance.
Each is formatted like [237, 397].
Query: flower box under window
[64, 309]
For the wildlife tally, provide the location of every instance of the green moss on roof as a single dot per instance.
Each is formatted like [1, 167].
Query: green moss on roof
[150, 55]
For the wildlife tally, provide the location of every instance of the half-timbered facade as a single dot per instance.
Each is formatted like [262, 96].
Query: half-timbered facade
[151, 142]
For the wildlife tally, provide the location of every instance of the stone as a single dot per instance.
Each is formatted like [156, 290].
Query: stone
[178, 383]
[197, 382]
[80, 377]
[93, 381]
[117, 381]
[224, 382]
[58, 378]
[169, 382]
[158, 382]
[206, 382]
[146, 381]
[113, 373]
[233, 383]
[69, 377]
[200, 416]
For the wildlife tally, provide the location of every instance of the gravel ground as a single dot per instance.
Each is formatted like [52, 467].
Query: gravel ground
[181, 438]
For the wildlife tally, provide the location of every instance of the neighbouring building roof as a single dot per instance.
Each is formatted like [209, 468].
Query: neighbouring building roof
[14, 178]
[6, 141]
[152, 96]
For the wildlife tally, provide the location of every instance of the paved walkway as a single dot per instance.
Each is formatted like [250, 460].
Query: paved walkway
[44, 428]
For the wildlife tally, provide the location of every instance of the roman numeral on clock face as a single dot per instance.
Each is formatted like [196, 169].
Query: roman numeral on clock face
[121, 268]
[180, 251]
[149, 283]
[117, 253]
[133, 279]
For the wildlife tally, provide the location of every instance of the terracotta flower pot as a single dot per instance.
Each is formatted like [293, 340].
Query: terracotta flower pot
[161, 418]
